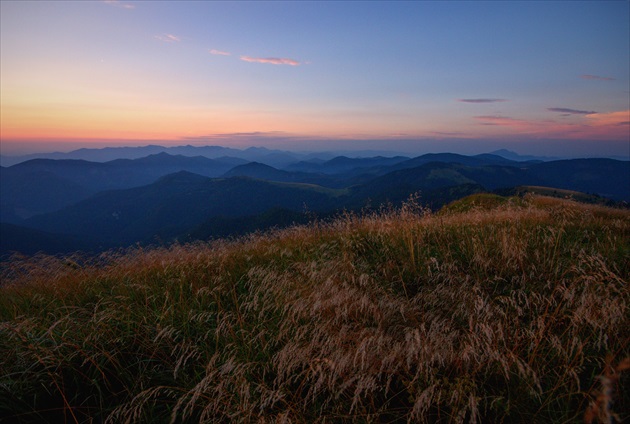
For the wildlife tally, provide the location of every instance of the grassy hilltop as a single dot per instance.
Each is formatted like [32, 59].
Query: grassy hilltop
[493, 310]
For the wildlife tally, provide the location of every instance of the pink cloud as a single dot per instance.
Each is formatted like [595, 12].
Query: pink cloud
[571, 111]
[168, 38]
[121, 4]
[610, 119]
[610, 125]
[596, 77]
[503, 121]
[271, 60]
[596, 126]
[219, 52]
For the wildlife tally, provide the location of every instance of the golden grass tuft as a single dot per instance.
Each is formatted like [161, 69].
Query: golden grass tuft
[513, 312]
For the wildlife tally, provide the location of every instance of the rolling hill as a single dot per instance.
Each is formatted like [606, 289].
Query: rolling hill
[45, 185]
[176, 203]
[51, 196]
[499, 310]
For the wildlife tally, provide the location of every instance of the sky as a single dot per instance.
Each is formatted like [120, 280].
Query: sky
[549, 78]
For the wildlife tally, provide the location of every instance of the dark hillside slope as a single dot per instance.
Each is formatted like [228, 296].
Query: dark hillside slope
[159, 165]
[91, 176]
[344, 164]
[397, 186]
[27, 241]
[604, 177]
[472, 161]
[120, 173]
[225, 227]
[494, 177]
[261, 171]
[174, 204]
[36, 192]
[44, 185]
[437, 183]
[362, 174]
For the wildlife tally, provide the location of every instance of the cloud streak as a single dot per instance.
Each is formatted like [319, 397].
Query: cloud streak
[596, 77]
[594, 126]
[168, 38]
[481, 100]
[618, 118]
[271, 60]
[503, 121]
[219, 52]
[570, 111]
[117, 3]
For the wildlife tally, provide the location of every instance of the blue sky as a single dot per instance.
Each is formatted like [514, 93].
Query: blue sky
[410, 76]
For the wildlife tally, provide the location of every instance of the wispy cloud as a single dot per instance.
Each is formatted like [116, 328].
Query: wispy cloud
[271, 60]
[237, 135]
[595, 126]
[570, 111]
[481, 100]
[612, 125]
[618, 118]
[121, 4]
[503, 121]
[596, 77]
[168, 38]
[219, 52]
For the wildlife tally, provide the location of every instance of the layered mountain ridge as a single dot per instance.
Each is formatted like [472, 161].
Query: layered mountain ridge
[163, 197]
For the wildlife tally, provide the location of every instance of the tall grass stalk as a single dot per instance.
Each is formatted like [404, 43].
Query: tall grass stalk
[514, 312]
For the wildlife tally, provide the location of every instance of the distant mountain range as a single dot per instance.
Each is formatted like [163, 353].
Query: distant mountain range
[275, 158]
[70, 204]
[44, 185]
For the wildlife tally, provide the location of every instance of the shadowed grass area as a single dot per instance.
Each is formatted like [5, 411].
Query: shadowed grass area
[494, 310]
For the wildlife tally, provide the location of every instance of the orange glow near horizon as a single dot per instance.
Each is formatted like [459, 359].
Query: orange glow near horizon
[67, 122]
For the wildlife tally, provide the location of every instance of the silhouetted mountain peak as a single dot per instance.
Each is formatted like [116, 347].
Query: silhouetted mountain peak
[508, 154]
[167, 158]
[255, 165]
[42, 162]
[255, 170]
[161, 155]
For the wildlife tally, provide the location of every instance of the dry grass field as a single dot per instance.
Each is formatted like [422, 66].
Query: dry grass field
[492, 310]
